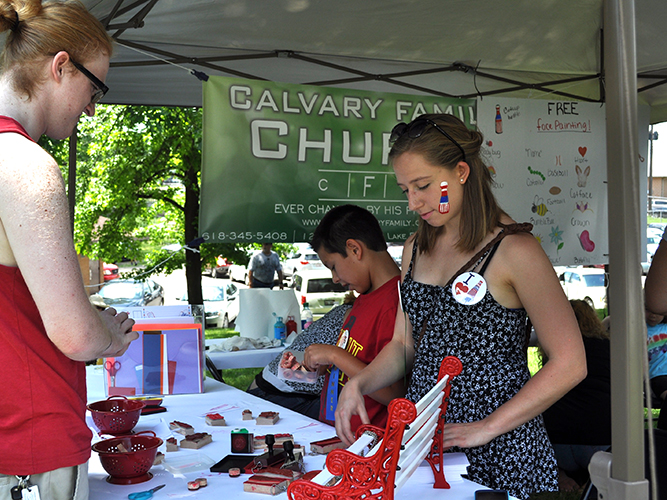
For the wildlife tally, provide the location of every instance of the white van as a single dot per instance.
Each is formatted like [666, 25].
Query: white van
[658, 207]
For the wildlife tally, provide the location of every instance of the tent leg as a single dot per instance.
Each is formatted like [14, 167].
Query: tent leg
[626, 303]
[610, 488]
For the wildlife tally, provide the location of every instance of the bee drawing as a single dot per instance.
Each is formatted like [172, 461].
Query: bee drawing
[539, 207]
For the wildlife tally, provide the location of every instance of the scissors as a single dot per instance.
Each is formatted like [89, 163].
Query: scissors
[112, 368]
[144, 495]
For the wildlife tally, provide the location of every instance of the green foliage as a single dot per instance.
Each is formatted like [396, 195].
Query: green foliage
[535, 361]
[236, 254]
[141, 160]
[137, 169]
[138, 174]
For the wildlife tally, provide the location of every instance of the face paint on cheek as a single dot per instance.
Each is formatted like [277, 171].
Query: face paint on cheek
[443, 208]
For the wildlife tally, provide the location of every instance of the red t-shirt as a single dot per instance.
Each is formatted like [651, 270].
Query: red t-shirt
[8, 124]
[42, 391]
[371, 326]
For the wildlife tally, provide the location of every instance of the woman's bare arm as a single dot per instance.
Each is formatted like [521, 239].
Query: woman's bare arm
[37, 238]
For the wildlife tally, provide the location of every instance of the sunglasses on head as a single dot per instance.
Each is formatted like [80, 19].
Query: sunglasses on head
[99, 85]
[416, 128]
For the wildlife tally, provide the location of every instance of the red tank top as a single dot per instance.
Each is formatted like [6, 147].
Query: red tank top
[42, 391]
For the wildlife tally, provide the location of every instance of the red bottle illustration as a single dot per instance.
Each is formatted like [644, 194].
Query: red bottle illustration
[499, 121]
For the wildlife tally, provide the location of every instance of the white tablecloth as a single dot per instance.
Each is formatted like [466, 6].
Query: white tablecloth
[230, 402]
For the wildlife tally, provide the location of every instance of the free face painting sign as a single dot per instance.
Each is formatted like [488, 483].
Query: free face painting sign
[549, 162]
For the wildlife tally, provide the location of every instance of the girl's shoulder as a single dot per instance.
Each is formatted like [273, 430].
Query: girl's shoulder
[522, 250]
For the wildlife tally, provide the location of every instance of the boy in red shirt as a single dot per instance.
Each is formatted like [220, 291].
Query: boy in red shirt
[349, 241]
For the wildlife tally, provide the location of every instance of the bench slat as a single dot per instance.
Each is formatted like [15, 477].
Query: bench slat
[430, 395]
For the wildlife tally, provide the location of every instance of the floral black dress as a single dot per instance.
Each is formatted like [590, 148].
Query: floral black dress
[490, 341]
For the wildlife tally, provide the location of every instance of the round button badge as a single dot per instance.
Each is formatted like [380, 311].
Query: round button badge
[469, 288]
[343, 338]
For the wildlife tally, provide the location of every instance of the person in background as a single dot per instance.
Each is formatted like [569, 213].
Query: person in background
[301, 397]
[262, 268]
[579, 423]
[655, 299]
[52, 67]
[656, 330]
[471, 276]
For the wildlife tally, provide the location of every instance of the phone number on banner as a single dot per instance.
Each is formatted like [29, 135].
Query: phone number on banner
[245, 236]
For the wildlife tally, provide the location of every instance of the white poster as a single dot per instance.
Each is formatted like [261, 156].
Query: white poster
[548, 159]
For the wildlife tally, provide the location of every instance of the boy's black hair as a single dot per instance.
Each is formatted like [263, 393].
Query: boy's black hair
[344, 222]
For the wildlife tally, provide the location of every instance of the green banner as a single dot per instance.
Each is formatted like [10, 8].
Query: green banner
[277, 157]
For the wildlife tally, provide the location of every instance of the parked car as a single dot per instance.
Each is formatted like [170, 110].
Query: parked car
[646, 266]
[652, 242]
[130, 293]
[238, 273]
[110, 271]
[304, 257]
[396, 252]
[658, 207]
[221, 304]
[658, 226]
[316, 286]
[585, 283]
[221, 268]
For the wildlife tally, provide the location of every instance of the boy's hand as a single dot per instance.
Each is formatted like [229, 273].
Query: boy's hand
[319, 355]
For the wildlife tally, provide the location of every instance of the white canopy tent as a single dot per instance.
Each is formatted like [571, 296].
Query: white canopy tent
[442, 47]
[547, 49]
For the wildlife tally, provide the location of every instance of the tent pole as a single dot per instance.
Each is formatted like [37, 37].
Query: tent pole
[623, 477]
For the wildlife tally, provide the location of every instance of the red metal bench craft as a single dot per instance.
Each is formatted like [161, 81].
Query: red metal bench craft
[366, 471]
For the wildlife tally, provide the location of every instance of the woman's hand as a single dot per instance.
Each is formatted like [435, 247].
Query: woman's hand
[350, 402]
[466, 435]
[120, 325]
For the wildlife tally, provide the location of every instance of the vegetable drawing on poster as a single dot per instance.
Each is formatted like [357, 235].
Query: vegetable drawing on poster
[548, 159]
[277, 157]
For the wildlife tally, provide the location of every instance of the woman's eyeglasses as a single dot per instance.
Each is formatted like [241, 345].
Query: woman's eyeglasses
[99, 85]
[416, 128]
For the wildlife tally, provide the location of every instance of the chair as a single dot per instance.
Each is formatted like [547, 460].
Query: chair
[373, 471]
[215, 373]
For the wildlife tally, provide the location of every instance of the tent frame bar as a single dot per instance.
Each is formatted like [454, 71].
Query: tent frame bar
[166, 57]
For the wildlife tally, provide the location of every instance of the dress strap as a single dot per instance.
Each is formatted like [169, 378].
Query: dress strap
[506, 230]
[489, 257]
[412, 259]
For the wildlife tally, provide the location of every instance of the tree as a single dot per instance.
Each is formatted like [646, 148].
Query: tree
[137, 187]
[138, 174]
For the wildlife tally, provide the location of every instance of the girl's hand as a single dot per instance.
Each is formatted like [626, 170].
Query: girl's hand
[350, 402]
[467, 435]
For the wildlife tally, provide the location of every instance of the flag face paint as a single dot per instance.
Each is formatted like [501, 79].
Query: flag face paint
[443, 208]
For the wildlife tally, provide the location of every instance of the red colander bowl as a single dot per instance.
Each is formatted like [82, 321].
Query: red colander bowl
[116, 416]
[127, 459]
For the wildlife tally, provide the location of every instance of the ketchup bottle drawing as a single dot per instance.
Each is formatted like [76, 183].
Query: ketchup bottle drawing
[499, 121]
